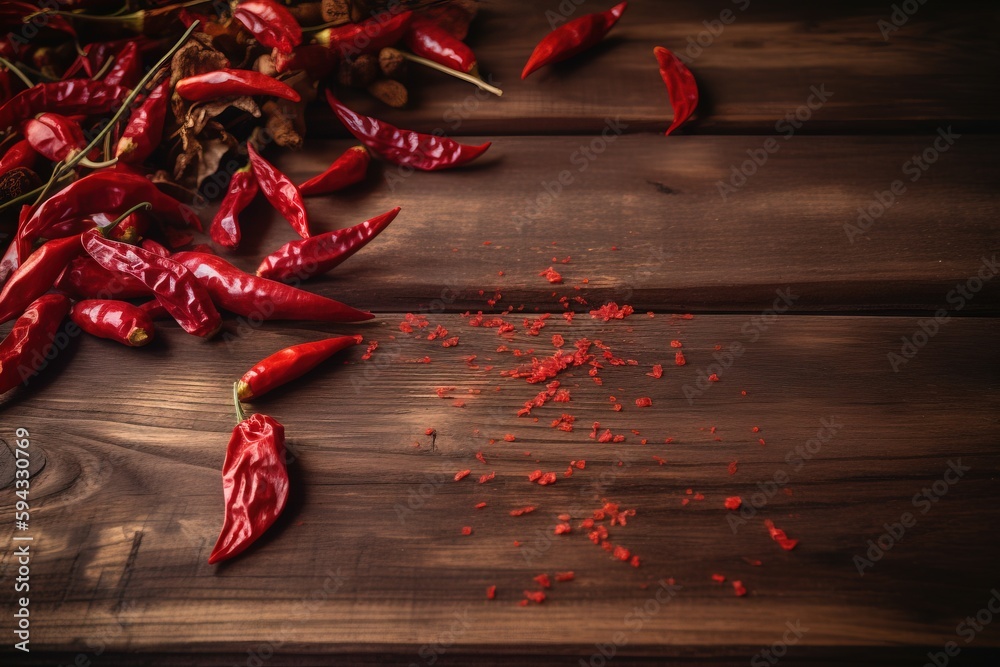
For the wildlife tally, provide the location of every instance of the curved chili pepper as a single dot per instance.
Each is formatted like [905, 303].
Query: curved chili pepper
[319, 254]
[573, 38]
[20, 155]
[22, 352]
[225, 227]
[130, 229]
[145, 126]
[228, 82]
[86, 279]
[254, 483]
[288, 364]
[155, 247]
[317, 61]
[680, 84]
[272, 25]
[10, 260]
[117, 320]
[248, 295]
[13, 15]
[346, 170]
[154, 310]
[427, 39]
[37, 275]
[53, 136]
[76, 96]
[426, 152]
[180, 292]
[371, 36]
[126, 70]
[281, 192]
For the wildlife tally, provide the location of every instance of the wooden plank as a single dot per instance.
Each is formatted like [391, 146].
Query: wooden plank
[760, 67]
[128, 504]
[680, 245]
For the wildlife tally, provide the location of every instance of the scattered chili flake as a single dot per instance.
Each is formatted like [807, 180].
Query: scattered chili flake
[535, 596]
[425, 360]
[779, 536]
[621, 553]
[720, 578]
[676, 343]
[699, 496]
[714, 377]
[442, 391]
[451, 342]
[482, 459]
[611, 311]
[551, 275]
[568, 316]
[480, 506]
[617, 407]
[685, 501]
[547, 478]
[458, 404]
[562, 528]
[657, 371]
[543, 580]
[659, 459]
[579, 464]
[679, 359]
[743, 392]
[755, 429]
[461, 474]
[522, 510]
[733, 502]
[517, 543]
[486, 478]
[534, 475]
[430, 431]
[756, 562]
[467, 530]
[618, 438]
[372, 346]
[643, 402]
[491, 593]
[509, 437]
[739, 589]
[634, 562]
[761, 441]
[732, 467]
[557, 340]
[565, 576]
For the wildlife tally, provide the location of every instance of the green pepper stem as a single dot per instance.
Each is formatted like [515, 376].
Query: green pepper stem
[453, 72]
[104, 68]
[17, 72]
[240, 415]
[86, 162]
[145, 205]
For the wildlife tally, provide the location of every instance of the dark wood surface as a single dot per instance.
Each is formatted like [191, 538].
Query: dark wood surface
[128, 503]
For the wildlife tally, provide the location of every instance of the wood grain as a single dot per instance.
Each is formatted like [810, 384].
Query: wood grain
[128, 504]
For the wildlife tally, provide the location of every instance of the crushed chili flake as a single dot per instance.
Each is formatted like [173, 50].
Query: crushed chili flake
[535, 596]
[520, 511]
[458, 404]
[467, 530]
[607, 436]
[618, 438]
[779, 536]
[451, 342]
[635, 562]
[551, 275]
[461, 474]
[482, 459]
[753, 561]
[743, 392]
[557, 340]
[562, 528]
[676, 343]
[430, 431]
[486, 478]
[621, 553]
[509, 437]
[372, 346]
[617, 407]
[714, 377]
[517, 543]
[534, 475]
[720, 578]
[568, 316]
[739, 589]
[543, 580]
[699, 496]
[732, 467]
[579, 464]
[547, 478]
[491, 593]
[480, 506]
[733, 502]
[679, 359]
[685, 501]
[755, 429]
[643, 402]
[611, 311]
[659, 459]
[565, 576]
[761, 441]
[657, 371]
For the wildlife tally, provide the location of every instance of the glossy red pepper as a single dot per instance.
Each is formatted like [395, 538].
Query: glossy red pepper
[315, 59]
[144, 131]
[130, 229]
[126, 70]
[254, 483]
[248, 295]
[23, 351]
[13, 15]
[37, 275]
[281, 192]
[20, 155]
[573, 38]
[155, 247]
[174, 286]
[232, 83]
[426, 152]
[272, 25]
[225, 227]
[427, 39]
[449, 16]
[346, 170]
[299, 260]
[53, 136]
[86, 279]
[288, 364]
[116, 320]
[371, 36]
[75, 96]
[680, 84]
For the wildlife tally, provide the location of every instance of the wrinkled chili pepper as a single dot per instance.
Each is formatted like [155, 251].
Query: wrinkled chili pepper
[13, 14]
[272, 25]
[86, 279]
[315, 59]
[126, 70]
[144, 131]
[155, 247]
[426, 152]
[348, 169]
[252, 296]
[572, 38]
[22, 352]
[116, 320]
[20, 155]
[174, 286]
[75, 96]
[225, 227]
[53, 136]
[319, 254]
[37, 275]
[254, 482]
[288, 364]
[680, 84]
[228, 82]
[427, 39]
[129, 229]
[281, 192]
[371, 36]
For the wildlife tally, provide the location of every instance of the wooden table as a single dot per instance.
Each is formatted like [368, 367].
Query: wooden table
[870, 412]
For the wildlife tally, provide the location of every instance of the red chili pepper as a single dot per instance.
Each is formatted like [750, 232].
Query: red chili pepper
[248, 295]
[76, 96]
[155, 247]
[371, 36]
[144, 131]
[180, 292]
[13, 15]
[303, 259]
[129, 229]
[680, 84]
[225, 227]
[22, 352]
[232, 83]
[117, 320]
[37, 275]
[53, 136]
[315, 59]
[426, 152]
[427, 39]
[288, 364]
[254, 483]
[348, 169]
[272, 25]
[281, 192]
[126, 70]
[20, 155]
[573, 38]
[86, 279]
[154, 310]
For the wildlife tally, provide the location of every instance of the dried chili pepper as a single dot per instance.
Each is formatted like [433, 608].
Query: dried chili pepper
[573, 38]
[281, 192]
[371, 36]
[315, 59]
[19, 156]
[117, 320]
[251, 296]
[428, 40]
[225, 227]
[319, 254]
[86, 279]
[155, 247]
[76, 96]
[13, 16]
[37, 275]
[680, 84]
[145, 126]
[426, 152]
[346, 170]
[174, 286]
[254, 482]
[22, 352]
[126, 70]
[288, 364]
[53, 136]
[228, 82]
[272, 25]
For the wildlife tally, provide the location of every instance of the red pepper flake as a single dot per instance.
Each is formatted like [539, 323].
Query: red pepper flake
[491, 593]
[470, 359]
[679, 359]
[451, 342]
[430, 431]
[732, 467]
[657, 371]
[425, 360]
[659, 459]
[565, 576]
[523, 510]
[535, 596]
[779, 536]
[443, 391]
[486, 478]
[593, 433]
[753, 561]
[618, 438]
[733, 502]
[634, 562]
[458, 404]
[568, 316]
[611, 311]
[547, 478]
[676, 343]
[743, 392]
[487, 242]
[517, 543]
[668, 441]
[643, 402]
[617, 407]
[551, 275]
[699, 496]
[714, 377]
[755, 429]
[761, 441]
[372, 346]
[467, 530]
[621, 553]
[509, 437]
[607, 436]
[557, 340]
[535, 475]
[685, 501]
[480, 506]
[543, 580]
[482, 459]
[580, 465]
[739, 589]
[562, 528]
[461, 474]
[719, 578]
